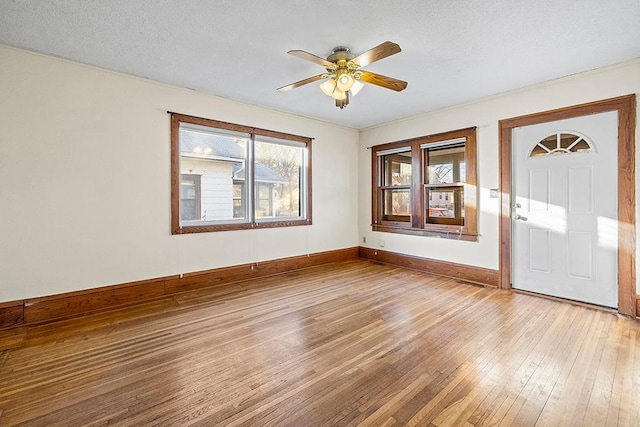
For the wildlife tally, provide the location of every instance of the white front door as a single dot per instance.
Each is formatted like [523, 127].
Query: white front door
[565, 209]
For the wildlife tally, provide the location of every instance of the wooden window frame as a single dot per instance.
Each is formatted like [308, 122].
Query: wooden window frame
[402, 219]
[251, 222]
[418, 224]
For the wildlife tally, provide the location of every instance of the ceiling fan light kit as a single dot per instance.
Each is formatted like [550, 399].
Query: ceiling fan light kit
[328, 87]
[343, 76]
[344, 80]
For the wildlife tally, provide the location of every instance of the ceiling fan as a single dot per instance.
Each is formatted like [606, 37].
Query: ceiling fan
[344, 76]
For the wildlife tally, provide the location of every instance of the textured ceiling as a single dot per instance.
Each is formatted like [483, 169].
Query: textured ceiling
[452, 51]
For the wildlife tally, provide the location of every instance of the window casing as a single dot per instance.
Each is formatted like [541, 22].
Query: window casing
[232, 177]
[426, 186]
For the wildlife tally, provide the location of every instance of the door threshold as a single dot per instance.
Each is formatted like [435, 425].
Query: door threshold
[569, 301]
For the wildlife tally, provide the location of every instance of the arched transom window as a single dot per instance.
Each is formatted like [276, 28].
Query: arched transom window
[562, 143]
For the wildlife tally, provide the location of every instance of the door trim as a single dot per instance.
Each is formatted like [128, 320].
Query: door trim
[626, 109]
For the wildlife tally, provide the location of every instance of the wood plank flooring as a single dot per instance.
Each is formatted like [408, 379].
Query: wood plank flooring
[349, 343]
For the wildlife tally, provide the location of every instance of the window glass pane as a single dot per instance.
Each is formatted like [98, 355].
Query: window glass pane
[278, 178]
[566, 139]
[218, 159]
[264, 205]
[189, 197]
[538, 150]
[560, 143]
[581, 146]
[396, 204]
[397, 169]
[238, 199]
[551, 142]
[446, 165]
[446, 205]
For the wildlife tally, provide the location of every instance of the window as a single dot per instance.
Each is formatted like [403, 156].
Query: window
[426, 186]
[561, 143]
[396, 186]
[446, 176]
[231, 177]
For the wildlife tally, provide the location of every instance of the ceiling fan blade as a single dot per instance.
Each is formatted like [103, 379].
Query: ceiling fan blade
[377, 53]
[383, 81]
[302, 82]
[313, 58]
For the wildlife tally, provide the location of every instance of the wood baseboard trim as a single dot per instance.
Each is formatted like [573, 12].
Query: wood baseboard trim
[11, 314]
[468, 273]
[74, 304]
[220, 276]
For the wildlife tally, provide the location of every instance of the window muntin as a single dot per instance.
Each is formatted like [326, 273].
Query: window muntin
[227, 177]
[561, 143]
[427, 185]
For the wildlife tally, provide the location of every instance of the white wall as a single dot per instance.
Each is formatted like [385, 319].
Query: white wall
[622, 79]
[85, 186]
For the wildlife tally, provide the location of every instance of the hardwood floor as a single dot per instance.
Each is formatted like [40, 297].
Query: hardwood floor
[349, 343]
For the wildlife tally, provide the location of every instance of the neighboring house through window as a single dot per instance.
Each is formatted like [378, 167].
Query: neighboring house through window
[190, 196]
[219, 165]
[268, 184]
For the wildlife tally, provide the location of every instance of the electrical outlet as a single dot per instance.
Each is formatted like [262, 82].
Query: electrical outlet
[382, 243]
[364, 240]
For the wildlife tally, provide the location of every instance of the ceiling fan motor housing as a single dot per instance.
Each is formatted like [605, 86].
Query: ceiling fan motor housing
[340, 53]
[341, 56]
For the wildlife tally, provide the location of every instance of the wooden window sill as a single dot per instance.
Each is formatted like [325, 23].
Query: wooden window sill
[442, 234]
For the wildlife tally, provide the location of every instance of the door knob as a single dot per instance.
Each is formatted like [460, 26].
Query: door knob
[519, 217]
